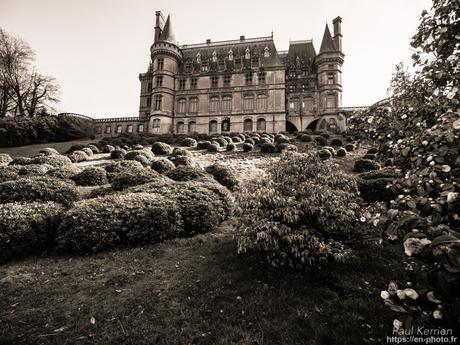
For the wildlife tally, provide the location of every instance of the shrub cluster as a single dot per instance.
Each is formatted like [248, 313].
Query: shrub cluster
[161, 149]
[189, 142]
[91, 176]
[78, 156]
[64, 172]
[133, 177]
[53, 159]
[187, 173]
[118, 154]
[120, 166]
[162, 165]
[248, 147]
[362, 165]
[223, 175]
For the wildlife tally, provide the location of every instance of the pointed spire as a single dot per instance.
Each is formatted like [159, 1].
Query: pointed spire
[327, 44]
[167, 33]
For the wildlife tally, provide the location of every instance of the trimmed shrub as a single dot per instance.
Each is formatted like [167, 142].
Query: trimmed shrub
[306, 138]
[213, 147]
[75, 147]
[53, 160]
[187, 173]
[162, 165]
[121, 166]
[20, 161]
[34, 169]
[203, 145]
[64, 172]
[5, 158]
[49, 151]
[223, 175]
[38, 189]
[131, 155]
[231, 147]
[138, 147]
[221, 141]
[349, 147]
[286, 147]
[282, 140]
[189, 142]
[376, 189]
[320, 140]
[92, 176]
[267, 148]
[331, 150]
[78, 156]
[104, 223]
[324, 154]
[143, 160]
[248, 147]
[336, 142]
[133, 177]
[341, 152]
[161, 149]
[118, 154]
[181, 152]
[228, 139]
[256, 140]
[362, 165]
[237, 139]
[181, 160]
[126, 147]
[249, 141]
[108, 148]
[27, 227]
[88, 151]
[9, 173]
[94, 148]
[370, 156]
[266, 140]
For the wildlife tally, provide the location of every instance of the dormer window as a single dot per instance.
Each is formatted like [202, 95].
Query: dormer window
[230, 55]
[214, 56]
[266, 52]
[247, 54]
[188, 67]
[198, 58]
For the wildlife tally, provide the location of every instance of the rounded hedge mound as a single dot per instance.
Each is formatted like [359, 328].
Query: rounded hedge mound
[324, 154]
[121, 166]
[306, 138]
[20, 161]
[221, 141]
[223, 175]
[34, 169]
[267, 148]
[187, 173]
[162, 165]
[161, 149]
[228, 139]
[118, 154]
[47, 151]
[54, 160]
[320, 140]
[331, 150]
[88, 151]
[94, 148]
[237, 139]
[38, 189]
[75, 147]
[189, 142]
[5, 159]
[336, 142]
[9, 173]
[282, 140]
[120, 219]
[138, 147]
[203, 145]
[108, 148]
[143, 160]
[349, 147]
[362, 165]
[213, 147]
[133, 177]
[249, 141]
[78, 156]
[27, 227]
[92, 176]
[181, 152]
[248, 147]
[341, 152]
[376, 189]
[181, 160]
[64, 172]
[231, 147]
[286, 147]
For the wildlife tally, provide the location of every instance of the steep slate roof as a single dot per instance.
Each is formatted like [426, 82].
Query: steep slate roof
[167, 33]
[302, 49]
[327, 44]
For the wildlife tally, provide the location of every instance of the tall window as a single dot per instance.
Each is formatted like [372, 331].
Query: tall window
[261, 125]
[149, 87]
[204, 67]
[129, 129]
[227, 103]
[119, 129]
[193, 83]
[140, 128]
[156, 123]
[308, 104]
[108, 129]
[160, 64]
[192, 127]
[261, 102]
[214, 81]
[237, 63]
[225, 125]
[255, 61]
[294, 105]
[159, 81]
[158, 99]
[261, 77]
[214, 105]
[248, 103]
[194, 105]
[248, 78]
[181, 105]
[330, 78]
[227, 80]
[180, 128]
[182, 84]
[330, 101]
[213, 126]
[188, 67]
[247, 125]
[221, 65]
[149, 101]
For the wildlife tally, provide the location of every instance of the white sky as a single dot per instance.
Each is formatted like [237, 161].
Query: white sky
[97, 48]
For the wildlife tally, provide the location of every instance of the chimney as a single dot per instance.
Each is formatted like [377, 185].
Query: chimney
[208, 41]
[242, 38]
[338, 32]
[158, 21]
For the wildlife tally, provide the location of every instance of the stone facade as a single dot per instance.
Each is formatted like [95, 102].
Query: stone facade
[243, 85]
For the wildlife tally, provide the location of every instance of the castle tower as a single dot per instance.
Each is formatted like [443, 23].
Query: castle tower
[329, 64]
[165, 59]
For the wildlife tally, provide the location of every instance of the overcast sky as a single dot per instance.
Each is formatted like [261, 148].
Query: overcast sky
[97, 48]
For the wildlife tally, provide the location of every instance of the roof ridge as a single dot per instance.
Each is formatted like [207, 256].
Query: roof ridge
[220, 43]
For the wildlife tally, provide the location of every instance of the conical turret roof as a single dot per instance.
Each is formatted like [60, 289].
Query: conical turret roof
[167, 33]
[327, 44]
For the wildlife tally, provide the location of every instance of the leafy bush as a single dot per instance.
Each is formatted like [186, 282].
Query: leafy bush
[203, 145]
[88, 151]
[286, 147]
[118, 154]
[320, 140]
[49, 151]
[385, 172]
[20, 161]
[53, 160]
[378, 189]
[255, 139]
[131, 155]
[181, 160]
[341, 152]
[249, 141]
[9, 173]
[331, 150]
[362, 165]
[162, 165]
[75, 147]
[121, 166]
[38, 189]
[92, 176]
[94, 148]
[138, 147]
[248, 147]
[300, 215]
[349, 147]
[161, 149]
[64, 172]
[34, 169]
[143, 160]
[336, 142]
[223, 175]
[108, 148]
[370, 156]
[237, 139]
[78, 156]
[324, 154]
[133, 177]
[186, 173]
[104, 223]
[306, 138]
[267, 148]
[5, 158]
[213, 147]
[281, 139]
[181, 152]
[266, 140]
[189, 142]
[221, 141]
[27, 227]
[228, 139]
[231, 147]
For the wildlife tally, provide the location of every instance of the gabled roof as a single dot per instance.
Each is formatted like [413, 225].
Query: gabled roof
[167, 33]
[327, 44]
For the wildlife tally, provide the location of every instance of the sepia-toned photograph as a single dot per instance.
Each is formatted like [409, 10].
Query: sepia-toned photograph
[229, 172]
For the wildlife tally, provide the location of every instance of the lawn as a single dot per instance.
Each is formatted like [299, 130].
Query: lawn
[193, 291]
[32, 150]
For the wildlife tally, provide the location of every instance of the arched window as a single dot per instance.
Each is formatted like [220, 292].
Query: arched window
[193, 105]
[213, 126]
[261, 125]
[156, 123]
[181, 105]
[247, 125]
[119, 129]
[192, 127]
[180, 128]
[225, 126]
[214, 105]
